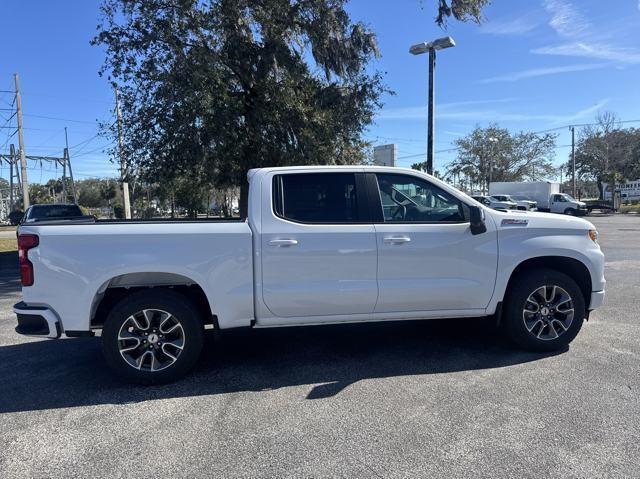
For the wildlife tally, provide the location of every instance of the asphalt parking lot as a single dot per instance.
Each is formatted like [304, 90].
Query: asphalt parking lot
[395, 400]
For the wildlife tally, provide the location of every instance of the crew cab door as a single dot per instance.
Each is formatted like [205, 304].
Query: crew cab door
[428, 259]
[318, 245]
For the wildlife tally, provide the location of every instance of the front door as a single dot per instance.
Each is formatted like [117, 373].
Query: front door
[428, 260]
[318, 246]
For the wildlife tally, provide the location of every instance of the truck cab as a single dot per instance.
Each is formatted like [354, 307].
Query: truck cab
[564, 203]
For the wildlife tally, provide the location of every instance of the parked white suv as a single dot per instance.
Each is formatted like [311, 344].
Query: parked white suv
[321, 245]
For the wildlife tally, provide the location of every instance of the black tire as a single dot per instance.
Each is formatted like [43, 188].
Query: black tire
[570, 212]
[516, 301]
[190, 329]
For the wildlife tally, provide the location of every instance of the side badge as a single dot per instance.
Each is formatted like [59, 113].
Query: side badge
[514, 222]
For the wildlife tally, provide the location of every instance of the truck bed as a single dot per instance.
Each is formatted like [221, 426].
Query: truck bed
[75, 263]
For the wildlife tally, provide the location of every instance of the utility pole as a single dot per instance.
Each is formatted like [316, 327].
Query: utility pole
[12, 155]
[65, 163]
[23, 160]
[125, 185]
[64, 168]
[573, 160]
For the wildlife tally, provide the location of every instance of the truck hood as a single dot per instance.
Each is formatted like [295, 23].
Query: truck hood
[529, 219]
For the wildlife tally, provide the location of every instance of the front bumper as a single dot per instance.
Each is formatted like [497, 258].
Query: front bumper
[38, 321]
[597, 299]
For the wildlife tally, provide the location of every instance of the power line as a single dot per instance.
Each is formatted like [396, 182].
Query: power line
[95, 122]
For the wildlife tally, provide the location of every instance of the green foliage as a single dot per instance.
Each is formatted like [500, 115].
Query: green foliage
[215, 88]
[607, 152]
[148, 213]
[118, 211]
[462, 10]
[40, 194]
[15, 216]
[495, 152]
[89, 196]
[96, 193]
[191, 195]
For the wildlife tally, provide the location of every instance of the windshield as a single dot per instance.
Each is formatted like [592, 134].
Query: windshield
[569, 197]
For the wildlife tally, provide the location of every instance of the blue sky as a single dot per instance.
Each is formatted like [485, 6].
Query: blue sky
[533, 65]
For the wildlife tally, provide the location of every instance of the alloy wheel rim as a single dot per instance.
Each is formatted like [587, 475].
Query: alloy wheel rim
[548, 312]
[151, 340]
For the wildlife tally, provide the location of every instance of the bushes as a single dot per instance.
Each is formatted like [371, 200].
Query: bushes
[15, 216]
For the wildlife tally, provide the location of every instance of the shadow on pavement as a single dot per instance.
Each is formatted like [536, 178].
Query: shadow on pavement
[71, 372]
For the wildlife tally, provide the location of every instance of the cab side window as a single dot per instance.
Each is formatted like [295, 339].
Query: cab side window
[407, 199]
[316, 198]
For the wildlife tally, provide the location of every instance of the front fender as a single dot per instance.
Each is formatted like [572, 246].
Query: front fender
[522, 244]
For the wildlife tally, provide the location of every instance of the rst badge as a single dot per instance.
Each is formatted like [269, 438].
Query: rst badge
[514, 222]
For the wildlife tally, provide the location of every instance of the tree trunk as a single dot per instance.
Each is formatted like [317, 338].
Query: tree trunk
[244, 199]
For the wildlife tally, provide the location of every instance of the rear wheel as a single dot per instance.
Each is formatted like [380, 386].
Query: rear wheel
[152, 336]
[544, 310]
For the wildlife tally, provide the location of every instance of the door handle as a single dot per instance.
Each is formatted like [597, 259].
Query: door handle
[396, 239]
[283, 242]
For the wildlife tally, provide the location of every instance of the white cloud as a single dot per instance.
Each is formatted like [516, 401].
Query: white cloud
[539, 72]
[582, 40]
[602, 51]
[516, 26]
[566, 20]
[488, 114]
[416, 112]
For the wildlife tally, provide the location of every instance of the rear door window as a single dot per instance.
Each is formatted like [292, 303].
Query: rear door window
[316, 197]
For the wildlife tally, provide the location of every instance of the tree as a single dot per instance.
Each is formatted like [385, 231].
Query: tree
[191, 195]
[40, 194]
[462, 10]
[90, 193]
[224, 86]
[495, 154]
[606, 152]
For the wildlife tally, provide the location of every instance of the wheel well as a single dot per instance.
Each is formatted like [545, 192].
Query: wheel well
[573, 268]
[119, 287]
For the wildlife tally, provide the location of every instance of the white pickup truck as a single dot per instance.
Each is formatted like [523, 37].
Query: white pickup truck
[321, 245]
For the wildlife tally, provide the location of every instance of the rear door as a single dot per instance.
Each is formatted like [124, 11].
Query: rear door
[428, 260]
[318, 245]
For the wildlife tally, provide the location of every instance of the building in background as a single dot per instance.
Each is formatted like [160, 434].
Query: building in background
[385, 155]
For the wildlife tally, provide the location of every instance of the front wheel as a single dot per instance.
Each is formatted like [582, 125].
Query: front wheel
[544, 310]
[152, 337]
[570, 212]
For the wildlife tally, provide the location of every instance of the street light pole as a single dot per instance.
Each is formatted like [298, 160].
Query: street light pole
[431, 116]
[419, 49]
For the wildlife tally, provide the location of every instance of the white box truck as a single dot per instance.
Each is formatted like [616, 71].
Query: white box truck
[545, 193]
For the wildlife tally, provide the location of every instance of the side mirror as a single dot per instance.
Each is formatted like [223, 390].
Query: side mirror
[476, 216]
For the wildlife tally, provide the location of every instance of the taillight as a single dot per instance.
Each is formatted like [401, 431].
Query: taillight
[25, 243]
